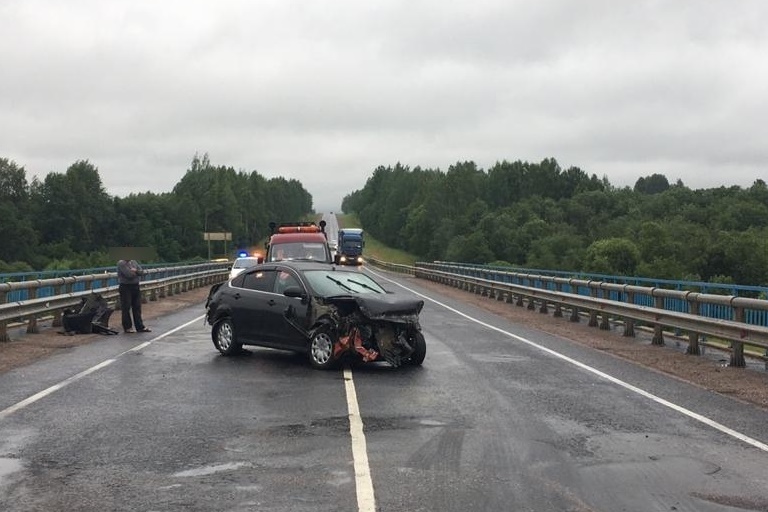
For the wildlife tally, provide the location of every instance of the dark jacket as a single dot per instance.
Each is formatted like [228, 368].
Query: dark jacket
[129, 272]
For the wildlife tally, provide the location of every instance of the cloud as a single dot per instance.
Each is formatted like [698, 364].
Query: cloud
[326, 92]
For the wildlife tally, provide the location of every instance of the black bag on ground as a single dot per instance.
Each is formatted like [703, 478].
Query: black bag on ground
[77, 323]
[92, 316]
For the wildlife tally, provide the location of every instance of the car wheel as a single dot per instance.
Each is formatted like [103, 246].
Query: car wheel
[419, 349]
[224, 338]
[321, 348]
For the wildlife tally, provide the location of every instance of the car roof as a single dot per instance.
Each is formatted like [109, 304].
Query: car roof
[245, 259]
[301, 265]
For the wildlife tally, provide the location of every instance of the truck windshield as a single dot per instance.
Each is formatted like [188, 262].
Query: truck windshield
[312, 251]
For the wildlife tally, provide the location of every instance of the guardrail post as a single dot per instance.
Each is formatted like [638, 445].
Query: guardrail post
[4, 323]
[605, 324]
[58, 314]
[592, 312]
[658, 329]
[629, 323]
[558, 307]
[575, 316]
[737, 347]
[32, 327]
[543, 308]
[693, 337]
[527, 281]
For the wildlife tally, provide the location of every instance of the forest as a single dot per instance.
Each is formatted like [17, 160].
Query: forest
[68, 221]
[539, 216]
[523, 214]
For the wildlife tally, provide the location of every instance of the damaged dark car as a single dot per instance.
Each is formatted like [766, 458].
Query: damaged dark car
[329, 313]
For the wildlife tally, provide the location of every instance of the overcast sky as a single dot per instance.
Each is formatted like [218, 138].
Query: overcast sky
[326, 91]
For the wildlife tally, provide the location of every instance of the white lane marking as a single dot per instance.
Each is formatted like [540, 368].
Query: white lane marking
[366, 501]
[66, 382]
[42, 394]
[682, 410]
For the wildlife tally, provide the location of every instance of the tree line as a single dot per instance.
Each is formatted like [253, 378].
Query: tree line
[539, 216]
[69, 221]
[534, 215]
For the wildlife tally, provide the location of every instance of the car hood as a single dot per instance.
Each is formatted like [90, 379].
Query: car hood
[383, 306]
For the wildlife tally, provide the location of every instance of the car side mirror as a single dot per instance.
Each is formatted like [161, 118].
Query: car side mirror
[294, 291]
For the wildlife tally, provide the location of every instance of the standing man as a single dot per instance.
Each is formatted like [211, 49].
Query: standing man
[129, 273]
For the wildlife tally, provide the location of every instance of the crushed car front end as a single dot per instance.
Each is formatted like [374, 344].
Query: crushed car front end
[368, 328]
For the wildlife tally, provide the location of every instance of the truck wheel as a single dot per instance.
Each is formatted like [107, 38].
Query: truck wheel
[224, 338]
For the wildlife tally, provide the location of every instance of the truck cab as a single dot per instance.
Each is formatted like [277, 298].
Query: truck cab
[350, 247]
[298, 241]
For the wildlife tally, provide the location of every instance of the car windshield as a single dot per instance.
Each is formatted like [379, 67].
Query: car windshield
[327, 283]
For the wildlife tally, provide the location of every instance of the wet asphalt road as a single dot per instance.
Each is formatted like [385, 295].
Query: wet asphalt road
[499, 418]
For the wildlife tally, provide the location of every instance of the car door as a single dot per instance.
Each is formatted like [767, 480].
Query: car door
[284, 313]
[250, 294]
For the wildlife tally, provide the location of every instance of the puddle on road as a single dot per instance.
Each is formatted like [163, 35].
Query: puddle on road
[8, 466]
[500, 358]
[209, 470]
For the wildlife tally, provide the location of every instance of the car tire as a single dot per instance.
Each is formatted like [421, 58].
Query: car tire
[224, 338]
[321, 348]
[419, 349]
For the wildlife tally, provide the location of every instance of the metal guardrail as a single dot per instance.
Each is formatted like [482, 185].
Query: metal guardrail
[676, 302]
[66, 292]
[737, 290]
[626, 302]
[20, 292]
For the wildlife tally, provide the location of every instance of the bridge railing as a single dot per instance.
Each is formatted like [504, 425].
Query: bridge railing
[50, 297]
[737, 321]
[715, 288]
[575, 284]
